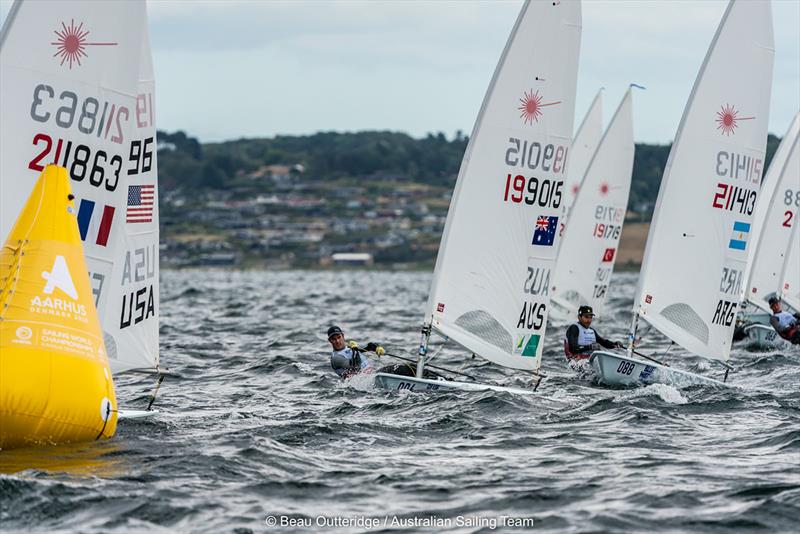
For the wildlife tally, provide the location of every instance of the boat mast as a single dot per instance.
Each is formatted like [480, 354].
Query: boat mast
[632, 333]
[9, 21]
[425, 335]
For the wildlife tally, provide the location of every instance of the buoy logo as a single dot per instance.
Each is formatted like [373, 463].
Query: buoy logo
[60, 278]
[24, 335]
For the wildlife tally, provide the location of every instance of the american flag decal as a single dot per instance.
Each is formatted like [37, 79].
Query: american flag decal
[140, 203]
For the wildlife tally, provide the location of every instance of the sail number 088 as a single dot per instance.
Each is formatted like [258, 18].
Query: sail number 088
[626, 368]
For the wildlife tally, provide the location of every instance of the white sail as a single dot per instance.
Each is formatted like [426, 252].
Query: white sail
[774, 218]
[698, 242]
[589, 247]
[489, 290]
[77, 89]
[587, 138]
[790, 278]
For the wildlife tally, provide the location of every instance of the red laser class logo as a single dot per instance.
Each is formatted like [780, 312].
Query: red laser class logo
[604, 188]
[728, 119]
[531, 106]
[71, 44]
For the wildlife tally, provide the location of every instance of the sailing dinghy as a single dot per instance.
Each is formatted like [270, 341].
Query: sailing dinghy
[77, 89]
[589, 247]
[489, 292]
[773, 222]
[697, 249]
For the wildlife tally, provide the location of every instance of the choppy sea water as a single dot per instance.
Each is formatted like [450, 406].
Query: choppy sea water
[255, 428]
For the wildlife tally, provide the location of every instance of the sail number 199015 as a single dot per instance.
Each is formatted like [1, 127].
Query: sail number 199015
[534, 156]
[543, 192]
[533, 191]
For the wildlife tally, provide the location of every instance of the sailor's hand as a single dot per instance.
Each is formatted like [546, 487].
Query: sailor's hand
[371, 346]
[380, 351]
[352, 344]
[618, 345]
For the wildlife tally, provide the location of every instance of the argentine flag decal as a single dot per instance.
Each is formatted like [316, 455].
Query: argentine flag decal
[739, 237]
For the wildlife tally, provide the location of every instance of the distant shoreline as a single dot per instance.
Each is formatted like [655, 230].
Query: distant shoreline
[629, 259]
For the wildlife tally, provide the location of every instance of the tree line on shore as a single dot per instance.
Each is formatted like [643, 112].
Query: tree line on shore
[187, 164]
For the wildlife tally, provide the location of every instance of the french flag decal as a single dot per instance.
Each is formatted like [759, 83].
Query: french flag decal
[85, 217]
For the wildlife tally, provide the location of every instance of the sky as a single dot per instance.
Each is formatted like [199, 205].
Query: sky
[258, 68]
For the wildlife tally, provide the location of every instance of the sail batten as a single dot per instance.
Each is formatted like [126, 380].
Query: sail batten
[697, 246]
[489, 289]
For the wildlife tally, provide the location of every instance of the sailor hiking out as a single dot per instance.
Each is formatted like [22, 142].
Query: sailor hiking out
[581, 339]
[347, 359]
[786, 324]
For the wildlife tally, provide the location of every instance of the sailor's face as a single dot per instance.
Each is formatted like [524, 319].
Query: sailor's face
[337, 341]
[585, 320]
[775, 307]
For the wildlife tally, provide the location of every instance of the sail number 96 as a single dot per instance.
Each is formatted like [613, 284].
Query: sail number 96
[532, 190]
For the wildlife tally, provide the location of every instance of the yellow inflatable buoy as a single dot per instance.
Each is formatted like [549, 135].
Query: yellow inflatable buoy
[55, 381]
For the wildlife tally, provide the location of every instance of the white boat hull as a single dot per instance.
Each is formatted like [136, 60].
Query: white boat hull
[128, 415]
[763, 337]
[422, 385]
[757, 317]
[619, 370]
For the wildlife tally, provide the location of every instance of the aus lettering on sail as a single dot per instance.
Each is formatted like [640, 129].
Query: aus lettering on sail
[534, 178]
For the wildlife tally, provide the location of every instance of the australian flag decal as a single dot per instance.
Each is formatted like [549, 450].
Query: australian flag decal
[545, 232]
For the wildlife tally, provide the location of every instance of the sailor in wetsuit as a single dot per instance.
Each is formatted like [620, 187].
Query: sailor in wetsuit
[581, 339]
[344, 360]
[786, 324]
